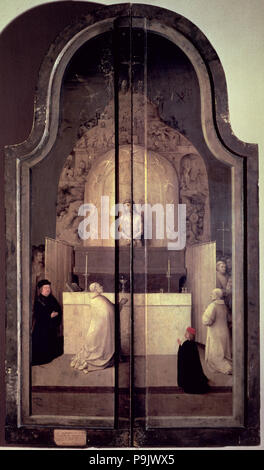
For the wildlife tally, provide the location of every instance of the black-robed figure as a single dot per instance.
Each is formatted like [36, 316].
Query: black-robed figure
[47, 314]
[190, 372]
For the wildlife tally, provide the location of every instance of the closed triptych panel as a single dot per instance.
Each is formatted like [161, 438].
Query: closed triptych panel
[130, 233]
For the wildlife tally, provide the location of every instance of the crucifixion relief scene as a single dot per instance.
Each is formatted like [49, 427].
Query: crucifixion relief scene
[131, 243]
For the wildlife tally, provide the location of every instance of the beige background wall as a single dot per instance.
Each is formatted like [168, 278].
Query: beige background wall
[235, 29]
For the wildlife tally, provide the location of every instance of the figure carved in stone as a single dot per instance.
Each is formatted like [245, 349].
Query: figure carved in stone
[70, 198]
[125, 225]
[67, 170]
[193, 193]
[98, 351]
[124, 87]
[80, 173]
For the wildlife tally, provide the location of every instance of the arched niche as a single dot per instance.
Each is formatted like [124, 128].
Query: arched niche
[235, 161]
[100, 182]
[170, 163]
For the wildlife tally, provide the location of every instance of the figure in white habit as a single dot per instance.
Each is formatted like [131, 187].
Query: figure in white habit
[98, 351]
[218, 342]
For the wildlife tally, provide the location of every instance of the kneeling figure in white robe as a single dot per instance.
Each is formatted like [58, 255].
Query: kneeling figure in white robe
[98, 350]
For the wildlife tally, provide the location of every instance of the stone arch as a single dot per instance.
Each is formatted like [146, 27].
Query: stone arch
[163, 142]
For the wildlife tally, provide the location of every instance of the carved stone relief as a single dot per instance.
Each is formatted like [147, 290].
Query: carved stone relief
[91, 164]
[195, 194]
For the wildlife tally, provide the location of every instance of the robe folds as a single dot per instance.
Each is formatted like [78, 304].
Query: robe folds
[98, 350]
[218, 341]
[190, 372]
[221, 280]
[46, 343]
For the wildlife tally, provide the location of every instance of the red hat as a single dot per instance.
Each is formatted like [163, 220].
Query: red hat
[191, 330]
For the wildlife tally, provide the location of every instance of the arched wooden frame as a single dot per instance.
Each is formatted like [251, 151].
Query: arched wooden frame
[240, 157]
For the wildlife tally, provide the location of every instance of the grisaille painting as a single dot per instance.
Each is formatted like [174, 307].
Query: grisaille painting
[131, 249]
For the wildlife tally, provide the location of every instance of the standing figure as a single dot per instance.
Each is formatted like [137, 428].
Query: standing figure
[228, 298]
[218, 342]
[221, 275]
[46, 320]
[228, 262]
[38, 269]
[190, 372]
[98, 351]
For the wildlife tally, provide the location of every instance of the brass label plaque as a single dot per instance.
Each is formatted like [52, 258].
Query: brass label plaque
[70, 437]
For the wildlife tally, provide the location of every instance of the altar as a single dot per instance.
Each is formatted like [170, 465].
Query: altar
[159, 320]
